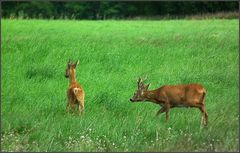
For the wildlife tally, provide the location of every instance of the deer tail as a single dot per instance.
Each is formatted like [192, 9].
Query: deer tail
[203, 96]
[76, 91]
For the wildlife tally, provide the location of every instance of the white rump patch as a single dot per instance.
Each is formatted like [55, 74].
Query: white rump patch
[75, 90]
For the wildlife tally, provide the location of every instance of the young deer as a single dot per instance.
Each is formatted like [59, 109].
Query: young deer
[170, 96]
[75, 92]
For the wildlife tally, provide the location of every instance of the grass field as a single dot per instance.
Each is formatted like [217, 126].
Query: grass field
[113, 54]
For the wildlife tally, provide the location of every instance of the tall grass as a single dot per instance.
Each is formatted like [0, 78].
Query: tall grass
[113, 54]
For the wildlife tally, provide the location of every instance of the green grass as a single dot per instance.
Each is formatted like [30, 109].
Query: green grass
[113, 54]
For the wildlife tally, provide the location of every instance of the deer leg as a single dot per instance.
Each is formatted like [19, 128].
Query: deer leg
[162, 110]
[67, 108]
[167, 113]
[81, 103]
[81, 108]
[204, 112]
[68, 104]
[73, 107]
[204, 115]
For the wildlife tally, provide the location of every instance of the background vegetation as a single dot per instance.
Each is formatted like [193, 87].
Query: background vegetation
[116, 10]
[113, 54]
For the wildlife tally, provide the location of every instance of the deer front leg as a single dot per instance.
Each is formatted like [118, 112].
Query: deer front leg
[167, 112]
[69, 100]
[162, 110]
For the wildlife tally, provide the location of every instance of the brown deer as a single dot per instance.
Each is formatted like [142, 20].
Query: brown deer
[170, 96]
[75, 92]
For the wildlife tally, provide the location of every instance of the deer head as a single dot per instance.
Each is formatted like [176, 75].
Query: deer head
[71, 68]
[138, 95]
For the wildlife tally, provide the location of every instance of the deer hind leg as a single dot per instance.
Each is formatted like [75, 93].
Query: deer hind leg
[69, 104]
[80, 99]
[67, 107]
[203, 110]
[204, 115]
[73, 107]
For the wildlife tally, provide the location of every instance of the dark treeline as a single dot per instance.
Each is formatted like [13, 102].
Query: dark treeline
[110, 9]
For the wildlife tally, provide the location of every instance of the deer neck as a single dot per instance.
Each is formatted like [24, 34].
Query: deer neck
[150, 96]
[73, 78]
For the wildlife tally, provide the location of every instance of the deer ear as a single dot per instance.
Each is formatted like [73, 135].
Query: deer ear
[69, 62]
[76, 63]
[141, 85]
[138, 82]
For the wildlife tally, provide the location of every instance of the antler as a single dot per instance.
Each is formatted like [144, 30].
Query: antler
[140, 82]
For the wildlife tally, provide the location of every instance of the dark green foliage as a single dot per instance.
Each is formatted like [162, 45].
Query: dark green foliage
[111, 10]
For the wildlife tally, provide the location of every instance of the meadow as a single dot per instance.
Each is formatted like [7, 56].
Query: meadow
[113, 54]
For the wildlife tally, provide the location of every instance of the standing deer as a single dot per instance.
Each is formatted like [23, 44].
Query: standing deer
[75, 92]
[170, 96]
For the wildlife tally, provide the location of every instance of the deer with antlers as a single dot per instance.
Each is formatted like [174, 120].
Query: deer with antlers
[170, 96]
[75, 92]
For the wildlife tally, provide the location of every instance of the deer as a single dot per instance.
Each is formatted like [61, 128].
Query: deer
[171, 96]
[75, 92]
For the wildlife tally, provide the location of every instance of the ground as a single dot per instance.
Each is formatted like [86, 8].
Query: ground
[113, 54]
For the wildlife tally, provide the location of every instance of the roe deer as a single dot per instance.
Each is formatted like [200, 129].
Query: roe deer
[170, 96]
[75, 92]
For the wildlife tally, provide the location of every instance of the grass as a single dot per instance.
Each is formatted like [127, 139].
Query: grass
[113, 54]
